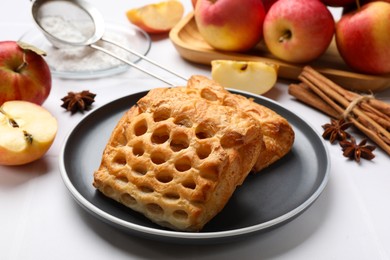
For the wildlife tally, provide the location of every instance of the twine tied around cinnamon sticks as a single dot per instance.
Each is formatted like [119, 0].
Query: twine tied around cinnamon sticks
[368, 114]
[354, 103]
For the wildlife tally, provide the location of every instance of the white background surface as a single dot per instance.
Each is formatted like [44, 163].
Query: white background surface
[40, 220]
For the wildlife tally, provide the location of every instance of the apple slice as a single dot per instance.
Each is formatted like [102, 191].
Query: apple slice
[157, 18]
[27, 131]
[252, 76]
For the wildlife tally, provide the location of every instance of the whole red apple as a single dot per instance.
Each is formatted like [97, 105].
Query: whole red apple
[230, 25]
[338, 3]
[24, 74]
[363, 38]
[298, 31]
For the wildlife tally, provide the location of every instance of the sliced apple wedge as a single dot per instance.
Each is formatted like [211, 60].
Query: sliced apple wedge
[252, 76]
[158, 17]
[27, 131]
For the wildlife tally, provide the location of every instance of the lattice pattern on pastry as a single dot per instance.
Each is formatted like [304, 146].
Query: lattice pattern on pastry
[278, 133]
[178, 159]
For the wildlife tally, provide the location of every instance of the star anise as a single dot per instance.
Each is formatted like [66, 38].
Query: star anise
[336, 130]
[78, 101]
[356, 151]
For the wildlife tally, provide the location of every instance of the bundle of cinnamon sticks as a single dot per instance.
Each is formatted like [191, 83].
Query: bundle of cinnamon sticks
[368, 114]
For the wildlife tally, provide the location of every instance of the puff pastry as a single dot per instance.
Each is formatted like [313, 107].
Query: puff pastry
[177, 159]
[278, 134]
[178, 155]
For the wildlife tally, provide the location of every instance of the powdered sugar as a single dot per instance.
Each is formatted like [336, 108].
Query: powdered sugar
[83, 58]
[71, 31]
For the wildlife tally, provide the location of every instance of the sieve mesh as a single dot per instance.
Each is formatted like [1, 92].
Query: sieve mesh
[66, 22]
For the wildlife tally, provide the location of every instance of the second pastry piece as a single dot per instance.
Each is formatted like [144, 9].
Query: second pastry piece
[278, 133]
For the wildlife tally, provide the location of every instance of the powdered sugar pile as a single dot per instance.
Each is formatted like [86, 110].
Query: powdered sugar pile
[83, 58]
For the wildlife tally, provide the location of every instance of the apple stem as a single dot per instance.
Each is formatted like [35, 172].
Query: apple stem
[285, 36]
[358, 4]
[24, 64]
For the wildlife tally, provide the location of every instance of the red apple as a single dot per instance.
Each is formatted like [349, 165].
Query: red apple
[267, 4]
[298, 31]
[27, 131]
[338, 3]
[24, 74]
[230, 25]
[363, 38]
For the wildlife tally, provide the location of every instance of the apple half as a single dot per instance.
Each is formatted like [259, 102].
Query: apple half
[27, 131]
[158, 17]
[253, 76]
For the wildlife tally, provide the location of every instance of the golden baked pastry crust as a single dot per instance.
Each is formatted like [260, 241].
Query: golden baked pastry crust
[178, 158]
[278, 133]
[178, 155]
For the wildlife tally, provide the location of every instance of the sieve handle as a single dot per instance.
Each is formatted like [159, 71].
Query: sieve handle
[143, 57]
[130, 63]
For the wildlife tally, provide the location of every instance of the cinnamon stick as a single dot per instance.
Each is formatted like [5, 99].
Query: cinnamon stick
[349, 95]
[383, 121]
[380, 105]
[377, 110]
[376, 115]
[371, 117]
[304, 94]
[372, 135]
[310, 74]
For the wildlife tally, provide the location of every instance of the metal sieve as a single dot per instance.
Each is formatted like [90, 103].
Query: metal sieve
[87, 26]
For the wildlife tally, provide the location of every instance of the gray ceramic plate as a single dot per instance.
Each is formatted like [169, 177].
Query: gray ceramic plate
[266, 200]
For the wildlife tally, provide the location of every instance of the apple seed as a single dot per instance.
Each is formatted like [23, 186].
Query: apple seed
[244, 67]
[27, 136]
[11, 121]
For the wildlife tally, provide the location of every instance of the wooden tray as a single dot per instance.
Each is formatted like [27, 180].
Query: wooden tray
[191, 46]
